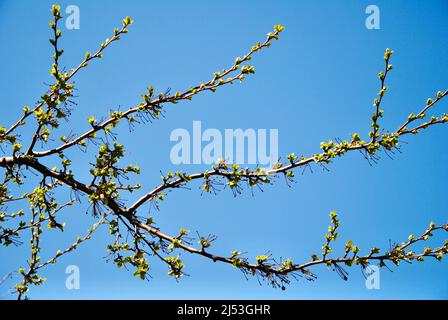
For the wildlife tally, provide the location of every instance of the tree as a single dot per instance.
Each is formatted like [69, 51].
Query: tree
[109, 179]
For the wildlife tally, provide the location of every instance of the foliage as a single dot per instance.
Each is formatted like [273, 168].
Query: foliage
[107, 187]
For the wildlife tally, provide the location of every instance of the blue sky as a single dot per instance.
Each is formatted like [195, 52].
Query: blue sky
[315, 84]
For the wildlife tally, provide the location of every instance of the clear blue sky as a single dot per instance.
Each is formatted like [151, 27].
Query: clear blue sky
[316, 83]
